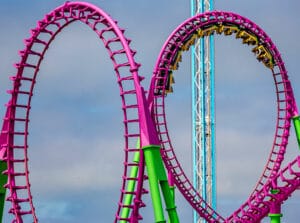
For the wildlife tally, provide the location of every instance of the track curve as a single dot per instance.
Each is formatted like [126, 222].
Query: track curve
[181, 39]
[14, 135]
[137, 124]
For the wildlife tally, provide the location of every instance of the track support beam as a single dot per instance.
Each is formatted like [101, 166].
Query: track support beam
[275, 211]
[130, 188]
[275, 218]
[158, 180]
[296, 121]
[3, 181]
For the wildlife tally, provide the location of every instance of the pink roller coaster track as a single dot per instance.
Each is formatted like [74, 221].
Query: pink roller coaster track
[259, 203]
[16, 122]
[137, 111]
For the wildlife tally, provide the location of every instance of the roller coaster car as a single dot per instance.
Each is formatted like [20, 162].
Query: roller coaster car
[159, 84]
[207, 31]
[189, 42]
[173, 47]
[229, 29]
[200, 33]
[264, 55]
[248, 38]
[170, 81]
[175, 63]
[168, 85]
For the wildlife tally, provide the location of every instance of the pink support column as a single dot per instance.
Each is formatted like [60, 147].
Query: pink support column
[275, 209]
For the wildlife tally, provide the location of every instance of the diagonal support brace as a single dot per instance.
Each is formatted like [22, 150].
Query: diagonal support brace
[158, 180]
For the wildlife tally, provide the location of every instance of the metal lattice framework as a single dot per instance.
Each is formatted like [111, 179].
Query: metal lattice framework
[203, 112]
[146, 135]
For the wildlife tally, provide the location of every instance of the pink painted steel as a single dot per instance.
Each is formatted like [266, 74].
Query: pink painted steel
[286, 109]
[260, 203]
[14, 144]
[15, 130]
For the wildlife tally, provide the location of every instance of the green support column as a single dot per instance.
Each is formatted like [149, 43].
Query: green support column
[157, 177]
[168, 193]
[275, 218]
[155, 172]
[172, 190]
[3, 181]
[130, 187]
[296, 121]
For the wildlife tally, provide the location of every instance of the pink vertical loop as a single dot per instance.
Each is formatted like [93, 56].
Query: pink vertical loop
[180, 39]
[18, 109]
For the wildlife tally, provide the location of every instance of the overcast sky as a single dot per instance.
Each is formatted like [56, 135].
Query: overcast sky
[75, 137]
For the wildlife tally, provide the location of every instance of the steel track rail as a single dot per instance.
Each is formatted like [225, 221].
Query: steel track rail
[181, 39]
[15, 131]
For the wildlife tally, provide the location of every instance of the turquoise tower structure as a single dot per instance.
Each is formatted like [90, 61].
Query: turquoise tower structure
[203, 112]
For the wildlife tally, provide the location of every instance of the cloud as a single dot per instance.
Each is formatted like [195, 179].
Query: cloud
[74, 165]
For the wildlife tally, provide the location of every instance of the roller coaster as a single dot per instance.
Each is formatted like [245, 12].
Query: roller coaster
[149, 155]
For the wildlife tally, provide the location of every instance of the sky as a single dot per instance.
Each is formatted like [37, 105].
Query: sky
[75, 129]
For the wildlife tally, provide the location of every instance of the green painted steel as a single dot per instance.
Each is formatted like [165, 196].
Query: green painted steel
[158, 178]
[130, 188]
[296, 121]
[3, 181]
[275, 218]
[158, 183]
[169, 200]
[155, 171]
[172, 189]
